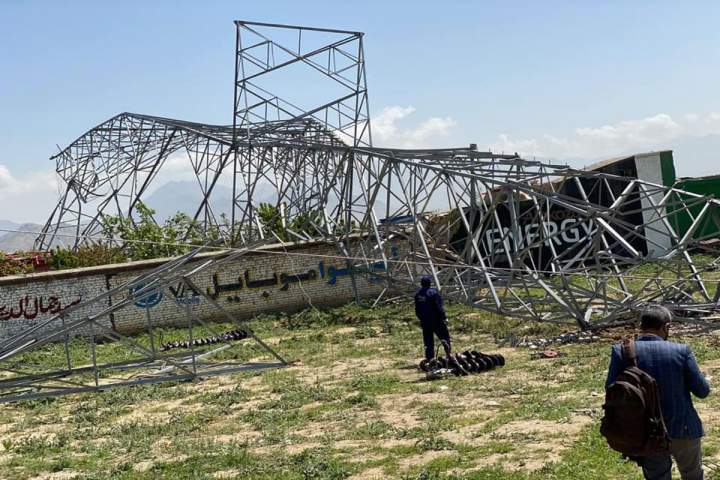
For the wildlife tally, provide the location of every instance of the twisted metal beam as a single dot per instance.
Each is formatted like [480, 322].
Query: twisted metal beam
[505, 234]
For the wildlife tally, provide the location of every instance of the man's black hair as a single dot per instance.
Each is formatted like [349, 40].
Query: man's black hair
[426, 281]
[655, 317]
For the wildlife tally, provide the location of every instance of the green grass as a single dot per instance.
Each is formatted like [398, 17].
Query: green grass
[353, 405]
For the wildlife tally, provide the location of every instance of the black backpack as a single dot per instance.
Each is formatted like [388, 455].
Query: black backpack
[633, 423]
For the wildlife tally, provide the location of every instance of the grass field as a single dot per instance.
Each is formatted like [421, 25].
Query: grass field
[353, 405]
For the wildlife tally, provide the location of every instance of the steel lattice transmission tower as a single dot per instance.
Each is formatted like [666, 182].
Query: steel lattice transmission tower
[508, 235]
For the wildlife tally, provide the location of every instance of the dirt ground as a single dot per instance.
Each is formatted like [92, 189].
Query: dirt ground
[352, 405]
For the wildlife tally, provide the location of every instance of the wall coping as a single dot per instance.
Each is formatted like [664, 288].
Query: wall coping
[144, 264]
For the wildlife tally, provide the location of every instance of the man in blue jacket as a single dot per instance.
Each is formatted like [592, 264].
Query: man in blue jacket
[676, 371]
[431, 313]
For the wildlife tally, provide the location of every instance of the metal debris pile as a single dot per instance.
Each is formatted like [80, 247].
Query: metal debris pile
[519, 238]
[562, 339]
[611, 334]
[461, 364]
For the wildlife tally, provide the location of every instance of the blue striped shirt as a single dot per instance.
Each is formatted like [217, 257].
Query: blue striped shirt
[676, 371]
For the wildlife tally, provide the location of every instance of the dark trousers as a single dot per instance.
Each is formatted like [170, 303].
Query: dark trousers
[430, 329]
[687, 453]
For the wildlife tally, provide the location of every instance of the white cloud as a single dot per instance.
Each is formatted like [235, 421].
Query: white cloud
[383, 125]
[657, 131]
[29, 198]
[429, 133]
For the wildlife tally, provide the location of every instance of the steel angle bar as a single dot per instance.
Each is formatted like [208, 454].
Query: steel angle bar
[27, 338]
[620, 239]
[682, 243]
[557, 298]
[232, 319]
[249, 367]
[694, 226]
[479, 255]
[96, 368]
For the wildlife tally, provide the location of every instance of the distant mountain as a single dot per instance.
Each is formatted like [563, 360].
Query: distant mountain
[19, 240]
[6, 225]
[185, 196]
[14, 241]
[170, 198]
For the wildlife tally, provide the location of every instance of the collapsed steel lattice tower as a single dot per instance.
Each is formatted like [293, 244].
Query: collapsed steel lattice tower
[517, 237]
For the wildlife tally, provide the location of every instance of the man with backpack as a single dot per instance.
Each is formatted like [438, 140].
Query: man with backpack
[649, 414]
[430, 311]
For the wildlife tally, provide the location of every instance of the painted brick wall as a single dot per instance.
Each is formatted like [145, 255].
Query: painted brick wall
[252, 284]
[268, 281]
[30, 300]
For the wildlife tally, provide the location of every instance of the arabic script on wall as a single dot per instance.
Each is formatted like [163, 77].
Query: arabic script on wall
[283, 281]
[30, 307]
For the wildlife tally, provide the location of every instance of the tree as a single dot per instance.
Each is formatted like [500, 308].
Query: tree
[302, 224]
[143, 238]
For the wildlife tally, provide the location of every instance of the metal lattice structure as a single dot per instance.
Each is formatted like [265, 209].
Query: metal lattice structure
[87, 365]
[516, 237]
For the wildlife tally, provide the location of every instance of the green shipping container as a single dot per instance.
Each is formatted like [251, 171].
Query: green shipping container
[709, 226]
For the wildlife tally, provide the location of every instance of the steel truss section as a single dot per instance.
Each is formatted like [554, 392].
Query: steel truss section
[517, 237]
[85, 364]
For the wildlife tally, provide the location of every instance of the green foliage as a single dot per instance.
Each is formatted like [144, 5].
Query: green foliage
[305, 223]
[11, 267]
[143, 238]
[347, 315]
[270, 218]
[316, 464]
[434, 442]
[140, 237]
[302, 224]
[86, 256]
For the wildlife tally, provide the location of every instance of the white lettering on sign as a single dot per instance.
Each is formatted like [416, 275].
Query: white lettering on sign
[569, 231]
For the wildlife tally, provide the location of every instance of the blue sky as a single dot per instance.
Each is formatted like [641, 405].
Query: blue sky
[575, 81]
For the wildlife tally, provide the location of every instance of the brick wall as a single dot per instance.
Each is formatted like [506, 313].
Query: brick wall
[27, 301]
[262, 281]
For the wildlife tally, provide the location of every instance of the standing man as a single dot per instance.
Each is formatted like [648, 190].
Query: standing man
[431, 313]
[676, 372]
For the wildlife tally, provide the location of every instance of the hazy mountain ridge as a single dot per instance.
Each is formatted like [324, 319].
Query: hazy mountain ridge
[185, 196]
[11, 242]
